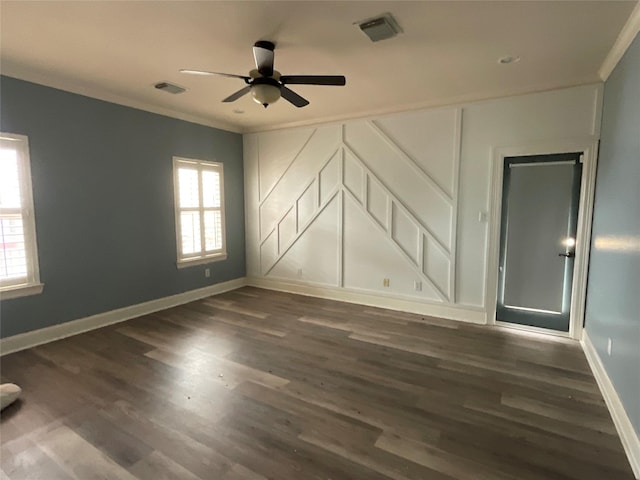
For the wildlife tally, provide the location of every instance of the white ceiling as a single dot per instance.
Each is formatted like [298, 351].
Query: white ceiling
[448, 52]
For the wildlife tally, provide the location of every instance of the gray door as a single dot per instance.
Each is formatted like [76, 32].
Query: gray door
[540, 199]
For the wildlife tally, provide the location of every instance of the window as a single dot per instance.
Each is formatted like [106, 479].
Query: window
[199, 200]
[19, 273]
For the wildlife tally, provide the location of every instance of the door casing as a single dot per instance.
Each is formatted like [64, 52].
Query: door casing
[521, 317]
[589, 148]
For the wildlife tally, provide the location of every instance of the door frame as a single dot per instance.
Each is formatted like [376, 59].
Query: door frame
[589, 148]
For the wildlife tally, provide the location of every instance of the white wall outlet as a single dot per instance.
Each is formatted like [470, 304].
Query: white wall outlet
[482, 216]
[609, 346]
[417, 285]
[299, 272]
[385, 282]
[207, 272]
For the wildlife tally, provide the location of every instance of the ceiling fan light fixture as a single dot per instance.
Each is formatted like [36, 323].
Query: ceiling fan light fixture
[265, 93]
[266, 85]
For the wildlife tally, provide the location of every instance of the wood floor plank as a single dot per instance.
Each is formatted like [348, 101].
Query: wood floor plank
[386, 463]
[157, 466]
[24, 460]
[108, 437]
[239, 472]
[601, 423]
[64, 446]
[255, 384]
[229, 373]
[147, 422]
[456, 466]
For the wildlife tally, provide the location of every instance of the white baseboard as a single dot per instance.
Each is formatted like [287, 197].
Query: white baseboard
[628, 435]
[451, 312]
[67, 329]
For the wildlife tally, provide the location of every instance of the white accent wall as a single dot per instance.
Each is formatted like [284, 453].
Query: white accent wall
[404, 197]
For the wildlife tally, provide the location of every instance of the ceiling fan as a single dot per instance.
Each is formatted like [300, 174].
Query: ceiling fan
[266, 84]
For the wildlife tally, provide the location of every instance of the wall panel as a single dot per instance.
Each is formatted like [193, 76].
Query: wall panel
[409, 190]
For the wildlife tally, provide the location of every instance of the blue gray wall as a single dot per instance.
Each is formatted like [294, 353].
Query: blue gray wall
[613, 296]
[103, 199]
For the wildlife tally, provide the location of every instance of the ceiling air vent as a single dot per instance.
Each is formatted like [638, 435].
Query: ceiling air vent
[169, 88]
[380, 28]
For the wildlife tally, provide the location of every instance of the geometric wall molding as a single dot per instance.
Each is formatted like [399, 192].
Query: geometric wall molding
[422, 178]
[343, 173]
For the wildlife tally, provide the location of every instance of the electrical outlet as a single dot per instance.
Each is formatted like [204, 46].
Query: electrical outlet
[207, 272]
[609, 346]
[299, 272]
[385, 282]
[417, 285]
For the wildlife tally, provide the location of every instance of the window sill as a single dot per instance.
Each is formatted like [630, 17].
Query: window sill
[201, 261]
[24, 290]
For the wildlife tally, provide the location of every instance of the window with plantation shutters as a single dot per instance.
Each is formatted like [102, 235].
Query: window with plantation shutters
[19, 273]
[199, 201]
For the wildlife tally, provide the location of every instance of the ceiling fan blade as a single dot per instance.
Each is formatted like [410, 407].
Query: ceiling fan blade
[263, 55]
[293, 97]
[235, 96]
[203, 72]
[337, 80]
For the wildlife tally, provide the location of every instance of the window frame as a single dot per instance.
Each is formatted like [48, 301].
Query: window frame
[30, 284]
[202, 257]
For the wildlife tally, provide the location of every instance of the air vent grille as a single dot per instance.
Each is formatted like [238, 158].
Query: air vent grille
[380, 28]
[169, 88]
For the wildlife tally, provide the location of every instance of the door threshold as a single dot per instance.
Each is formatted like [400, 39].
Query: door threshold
[535, 331]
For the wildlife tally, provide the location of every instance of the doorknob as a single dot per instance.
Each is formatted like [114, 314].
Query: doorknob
[568, 255]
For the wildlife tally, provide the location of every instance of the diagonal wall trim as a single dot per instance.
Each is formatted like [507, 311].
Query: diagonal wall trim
[393, 201]
[302, 230]
[307, 185]
[398, 247]
[295, 157]
[430, 255]
[410, 161]
[423, 228]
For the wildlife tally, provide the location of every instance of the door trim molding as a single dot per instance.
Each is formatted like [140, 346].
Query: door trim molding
[589, 148]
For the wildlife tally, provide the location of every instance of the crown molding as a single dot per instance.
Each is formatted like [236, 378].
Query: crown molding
[10, 69]
[622, 43]
[457, 101]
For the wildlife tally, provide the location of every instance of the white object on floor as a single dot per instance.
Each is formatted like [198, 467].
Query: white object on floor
[9, 393]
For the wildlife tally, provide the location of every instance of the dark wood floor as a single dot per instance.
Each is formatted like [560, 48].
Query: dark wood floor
[254, 384]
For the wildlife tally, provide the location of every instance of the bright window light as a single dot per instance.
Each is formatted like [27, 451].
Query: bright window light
[535, 310]
[199, 200]
[18, 247]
